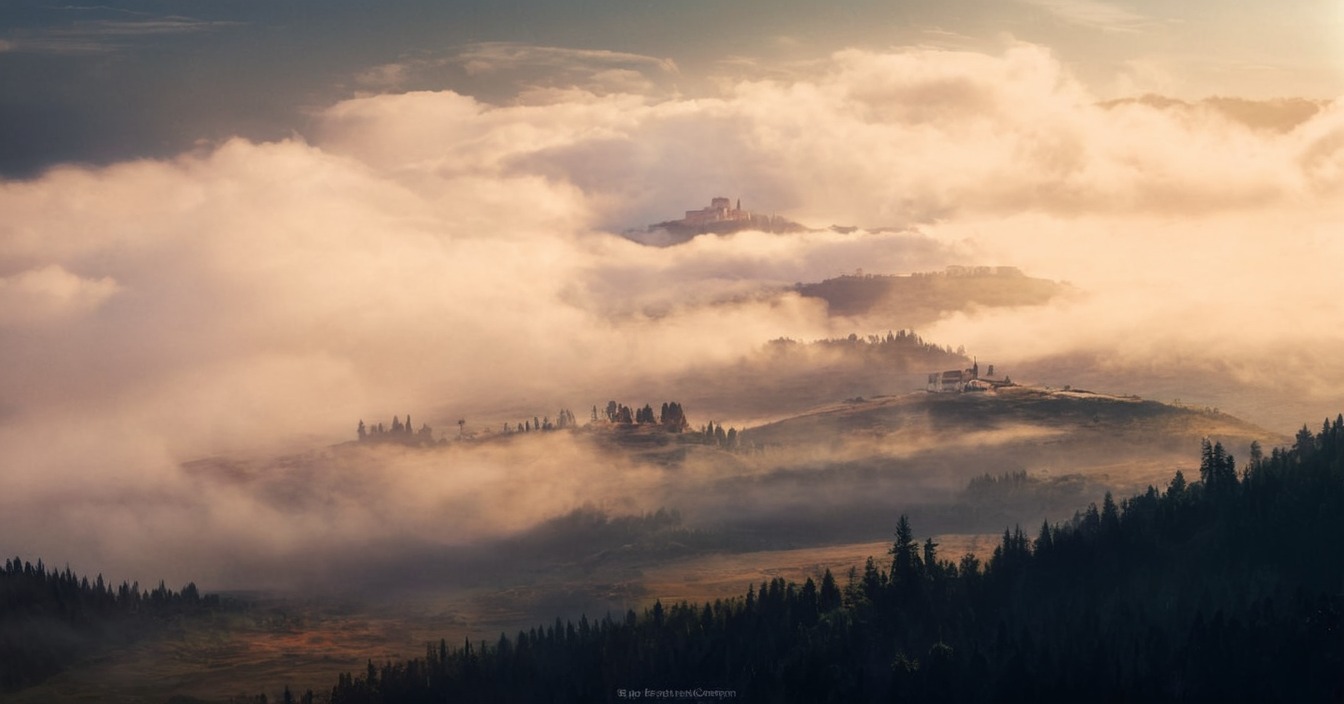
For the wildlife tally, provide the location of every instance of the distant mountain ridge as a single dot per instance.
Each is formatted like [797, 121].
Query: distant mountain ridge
[1016, 404]
[914, 299]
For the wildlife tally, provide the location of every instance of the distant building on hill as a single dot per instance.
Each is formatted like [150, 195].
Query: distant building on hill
[722, 217]
[720, 210]
[957, 381]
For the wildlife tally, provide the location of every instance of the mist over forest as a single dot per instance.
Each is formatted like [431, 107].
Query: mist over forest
[365, 349]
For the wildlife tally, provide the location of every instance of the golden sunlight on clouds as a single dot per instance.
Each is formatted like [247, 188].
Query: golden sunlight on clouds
[48, 294]
[429, 250]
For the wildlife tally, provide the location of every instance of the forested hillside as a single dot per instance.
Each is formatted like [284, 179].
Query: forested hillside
[50, 619]
[919, 299]
[1224, 587]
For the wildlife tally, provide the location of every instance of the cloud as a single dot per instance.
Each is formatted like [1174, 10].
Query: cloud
[1282, 115]
[1094, 14]
[492, 57]
[95, 36]
[530, 69]
[51, 292]
[522, 72]
[102, 8]
[59, 44]
[384, 76]
[433, 253]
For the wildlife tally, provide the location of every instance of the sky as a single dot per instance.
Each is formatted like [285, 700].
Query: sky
[106, 82]
[236, 228]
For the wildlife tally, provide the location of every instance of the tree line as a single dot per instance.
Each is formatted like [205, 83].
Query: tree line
[563, 420]
[1225, 588]
[397, 432]
[898, 341]
[670, 416]
[50, 619]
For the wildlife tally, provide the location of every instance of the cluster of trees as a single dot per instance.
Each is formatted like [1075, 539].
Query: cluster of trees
[997, 485]
[991, 501]
[563, 420]
[958, 270]
[919, 298]
[902, 343]
[671, 416]
[1224, 589]
[587, 530]
[398, 432]
[714, 434]
[52, 618]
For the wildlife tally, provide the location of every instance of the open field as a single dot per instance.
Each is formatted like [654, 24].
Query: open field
[710, 577]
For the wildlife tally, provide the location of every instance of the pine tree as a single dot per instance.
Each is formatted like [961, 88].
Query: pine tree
[829, 597]
[903, 561]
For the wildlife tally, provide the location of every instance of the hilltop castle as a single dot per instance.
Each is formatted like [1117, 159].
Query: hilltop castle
[722, 217]
[720, 210]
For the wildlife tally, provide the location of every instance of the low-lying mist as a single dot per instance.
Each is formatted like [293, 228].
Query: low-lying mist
[383, 517]
[431, 253]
